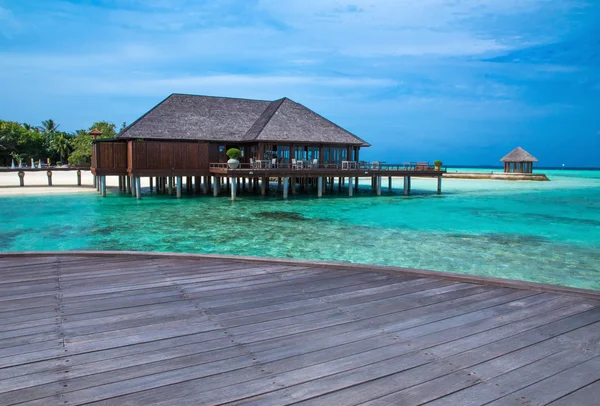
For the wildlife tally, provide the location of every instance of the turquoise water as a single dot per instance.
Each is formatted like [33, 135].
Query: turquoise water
[538, 231]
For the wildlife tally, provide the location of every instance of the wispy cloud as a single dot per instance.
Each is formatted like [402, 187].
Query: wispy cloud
[467, 69]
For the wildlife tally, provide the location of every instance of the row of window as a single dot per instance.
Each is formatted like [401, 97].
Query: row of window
[282, 153]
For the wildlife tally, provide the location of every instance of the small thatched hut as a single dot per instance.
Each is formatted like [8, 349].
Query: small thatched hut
[518, 161]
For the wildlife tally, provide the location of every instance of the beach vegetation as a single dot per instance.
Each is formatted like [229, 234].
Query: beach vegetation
[234, 153]
[24, 141]
[437, 163]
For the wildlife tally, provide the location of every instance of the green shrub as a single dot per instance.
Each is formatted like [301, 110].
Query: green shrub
[233, 153]
[437, 163]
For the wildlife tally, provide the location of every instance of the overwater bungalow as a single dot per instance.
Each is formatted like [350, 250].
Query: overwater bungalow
[518, 161]
[186, 138]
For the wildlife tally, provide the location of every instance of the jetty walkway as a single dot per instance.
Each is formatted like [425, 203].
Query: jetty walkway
[134, 328]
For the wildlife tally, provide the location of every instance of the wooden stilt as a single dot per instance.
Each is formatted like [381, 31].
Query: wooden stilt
[128, 181]
[390, 183]
[170, 185]
[103, 187]
[49, 174]
[197, 184]
[95, 180]
[179, 181]
[278, 184]
[320, 187]
[120, 183]
[233, 189]
[151, 183]
[286, 182]
[350, 187]
[138, 188]
[439, 185]
[22, 178]
[378, 180]
[293, 181]
[132, 186]
[405, 191]
[79, 177]
[263, 185]
[339, 183]
[356, 184]
[205, 185]
[215, 186]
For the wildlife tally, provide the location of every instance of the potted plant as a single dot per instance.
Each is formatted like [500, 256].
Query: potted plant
[233, 154]
[437, 164]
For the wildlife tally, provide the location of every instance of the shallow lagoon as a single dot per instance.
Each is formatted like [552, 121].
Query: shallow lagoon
[538, 231]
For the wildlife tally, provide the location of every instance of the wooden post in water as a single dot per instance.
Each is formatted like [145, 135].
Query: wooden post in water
[95, 180]
[278, 183]
[439, 185]
[197, 184]
[205, 185]
[320, 187]
[389, 183]
[179, 181]
[103, 186]
[216, 186]
[233, 189]
[406, 187]
[78, 177]
[138, 188]
[170, 185]
[286, 182]
[49, 174]
[151, 183]
[128, 181]
[356, 184]
[378, 181]
[340, 183]
[350, 187]
[120, 183]
[263, 185]
[21, 178]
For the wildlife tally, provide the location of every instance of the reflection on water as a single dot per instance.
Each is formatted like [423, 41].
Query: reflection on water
[545, 232]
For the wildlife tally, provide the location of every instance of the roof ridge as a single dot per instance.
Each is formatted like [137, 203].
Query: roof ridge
[262, 121]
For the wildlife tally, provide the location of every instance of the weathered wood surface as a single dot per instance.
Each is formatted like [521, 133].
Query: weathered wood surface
[159, 330]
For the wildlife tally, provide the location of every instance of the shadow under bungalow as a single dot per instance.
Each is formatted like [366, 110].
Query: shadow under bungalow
[185, 139]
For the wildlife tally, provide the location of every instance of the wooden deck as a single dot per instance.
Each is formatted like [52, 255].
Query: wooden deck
[164, 330]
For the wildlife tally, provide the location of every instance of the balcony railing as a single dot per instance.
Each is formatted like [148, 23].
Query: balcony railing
[345, 165]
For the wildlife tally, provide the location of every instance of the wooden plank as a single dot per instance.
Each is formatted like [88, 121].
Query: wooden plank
[556, 386]
[583, 396]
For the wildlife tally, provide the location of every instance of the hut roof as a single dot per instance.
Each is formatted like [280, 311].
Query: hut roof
[208, 118]
[519, 155]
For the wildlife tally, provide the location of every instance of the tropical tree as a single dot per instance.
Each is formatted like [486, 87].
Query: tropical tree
[62, 145]
[82, 143]
[49, 126]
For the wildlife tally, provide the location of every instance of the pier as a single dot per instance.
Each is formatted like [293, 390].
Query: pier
[144, 328]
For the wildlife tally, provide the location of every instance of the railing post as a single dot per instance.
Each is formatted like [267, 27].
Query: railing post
[49, 174]
[22, 178]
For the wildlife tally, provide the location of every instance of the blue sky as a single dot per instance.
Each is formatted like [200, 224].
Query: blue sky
[464, 81]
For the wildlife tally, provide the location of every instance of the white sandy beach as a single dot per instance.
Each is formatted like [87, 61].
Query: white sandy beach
[36, 183]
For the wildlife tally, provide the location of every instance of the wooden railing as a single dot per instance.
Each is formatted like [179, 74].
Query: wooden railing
[346, 165]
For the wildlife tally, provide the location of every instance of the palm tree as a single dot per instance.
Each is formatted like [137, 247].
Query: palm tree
[62, 146]
[49, 126]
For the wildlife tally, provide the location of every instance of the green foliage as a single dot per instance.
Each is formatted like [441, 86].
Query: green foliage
[233, 153]
[437, 163]
[22, 142]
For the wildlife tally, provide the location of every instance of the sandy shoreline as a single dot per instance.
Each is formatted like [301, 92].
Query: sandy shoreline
[63, 182]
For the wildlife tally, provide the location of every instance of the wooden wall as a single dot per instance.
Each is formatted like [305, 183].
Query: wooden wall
[166, 156]
[109, 157]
